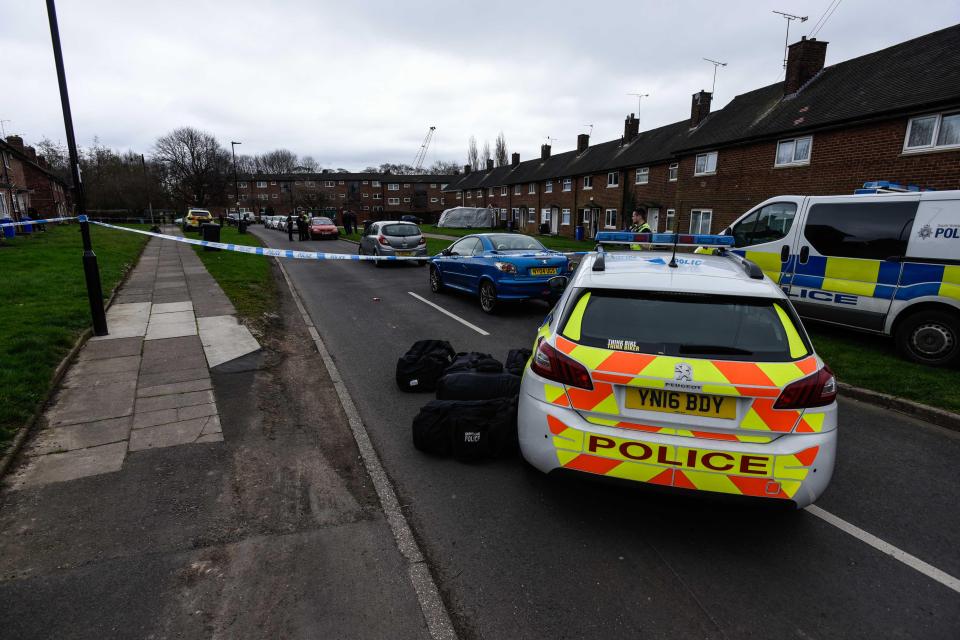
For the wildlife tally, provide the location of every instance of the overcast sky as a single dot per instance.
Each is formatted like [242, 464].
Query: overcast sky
[358, 83]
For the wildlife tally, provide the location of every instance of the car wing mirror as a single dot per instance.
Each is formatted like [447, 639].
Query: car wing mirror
[446, 252]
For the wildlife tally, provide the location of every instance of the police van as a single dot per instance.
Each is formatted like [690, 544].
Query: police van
[885, 263]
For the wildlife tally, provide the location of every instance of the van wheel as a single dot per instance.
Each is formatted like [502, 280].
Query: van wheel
[930, 337]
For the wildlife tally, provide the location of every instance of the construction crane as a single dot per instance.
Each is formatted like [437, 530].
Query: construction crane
[422, 153]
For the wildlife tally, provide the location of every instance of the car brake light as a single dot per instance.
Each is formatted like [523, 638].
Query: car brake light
[816, 390]
[382, 240]
[506, 267]
[553, 365]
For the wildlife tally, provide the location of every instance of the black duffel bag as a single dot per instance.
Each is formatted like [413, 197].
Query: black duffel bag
[420, 367]
[468, 385]
[468, 429]
[474, 361]
[517, 361]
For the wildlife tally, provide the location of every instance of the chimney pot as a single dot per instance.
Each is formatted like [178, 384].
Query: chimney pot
[466, 169]
[16, 142]
[805, 59]
[631, 128]
[700, 107]
[514, 159]
[583, 141]
[489, 164]
[544, 151]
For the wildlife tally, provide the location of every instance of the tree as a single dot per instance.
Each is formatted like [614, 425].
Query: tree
[443, 168]
[195, 166]
[278, 161]
[56, 156]
[486, 157]
[500, 153]
[473, 156]
[309, 164]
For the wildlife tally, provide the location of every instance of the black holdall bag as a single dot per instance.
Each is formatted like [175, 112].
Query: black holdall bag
[431, 428]
[517, 361]
[420, 367]
[469, 429]
[467, 385]
[474, 361]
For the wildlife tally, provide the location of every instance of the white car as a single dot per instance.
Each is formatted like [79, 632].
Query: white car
[695, 374]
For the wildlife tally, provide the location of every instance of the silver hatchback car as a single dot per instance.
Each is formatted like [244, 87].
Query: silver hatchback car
[393, 238]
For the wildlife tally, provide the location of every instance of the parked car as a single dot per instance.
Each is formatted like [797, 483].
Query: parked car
[498, 267]
[194, 218]
[393, 238]
[411, 218]
[883, 263]
[323, 228]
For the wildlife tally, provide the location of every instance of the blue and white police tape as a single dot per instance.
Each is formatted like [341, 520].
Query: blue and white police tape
[21, 223]
[300, 255]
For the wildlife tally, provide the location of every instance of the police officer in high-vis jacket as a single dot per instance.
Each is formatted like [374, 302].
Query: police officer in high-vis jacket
[640, 222]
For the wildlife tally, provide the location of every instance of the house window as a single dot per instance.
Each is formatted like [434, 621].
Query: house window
[339, 181]
[433, 185]
[3, 202]
[479, 193]
[503, 191]
[700, 220]
[342, 196]
[298, 182]
[532, 216]
[393, 186]
[516, 189]
[548, 186]
[275, 196]
[588, 182]
[375, 184]
[673, 171]
[565, 217]
[794, 152]
[406, 185]
[643, 175]
[366, 195]
[366, 208]
[366, 182]
[545, 216]
[406, 199]
[242, 185]
[706, 164]
[433, 200]
[613, 179]
[531, 188]
[936, 131]
[378, 196]
[309, 183]
[610, 219]
[567, 184]
[669, 220]
[490, 192]
[329, 183]
[393, 200]
[503, 214]
[273, 182]
[459, 195]
[469, 195]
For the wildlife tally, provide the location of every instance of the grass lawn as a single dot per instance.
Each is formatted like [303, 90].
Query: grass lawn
[44, 308]
[246, 279]
[868, 361]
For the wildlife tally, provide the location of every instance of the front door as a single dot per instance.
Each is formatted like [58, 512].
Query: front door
[554, 220]
[653, 219]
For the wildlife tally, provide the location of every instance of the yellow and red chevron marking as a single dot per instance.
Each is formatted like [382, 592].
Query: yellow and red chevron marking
[689, 433]
[749, 474]
[555, 394]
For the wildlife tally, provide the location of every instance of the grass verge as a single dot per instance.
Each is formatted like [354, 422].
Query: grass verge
[44, 309]
[246, 279]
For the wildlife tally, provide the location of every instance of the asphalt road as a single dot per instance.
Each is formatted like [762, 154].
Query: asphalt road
[520, 555]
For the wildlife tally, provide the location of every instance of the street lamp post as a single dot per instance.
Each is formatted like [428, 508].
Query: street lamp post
[91, 270]
[236, 184]
[146, 187]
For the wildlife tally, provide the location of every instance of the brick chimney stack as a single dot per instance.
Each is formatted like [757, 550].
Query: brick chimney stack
[489, 164]
[466, 169]
[805, 59]
[700, 107]
[16, 142]
[583, 141]
[514, 159]
[544, 151]
[631, 128]
[31, 153]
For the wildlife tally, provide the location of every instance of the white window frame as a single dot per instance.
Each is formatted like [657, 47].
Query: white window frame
[709, 212]
[366, 207]
[613, 179]
[668, 220]
[548, 186]
[378, 196]
[673, 171]
[644, 173]
[469, 195]
[433, 185]
[342, 196]
[275, 196]
[587, 183]
[531, 215]
[516, 213]
[366, 195]
[531, 188]
[434, 200]
[366, 182]
[339, 181]
[479, 193]
[567, 184]
[375, 184]
[517, 189]
[241, 185]
[933, 146]
[406, 185]
[393, 186]
[503, 191]
[263, 196]
[489, 192]
[565, 217]
[606, 219]
[406, 198]
[329, 183]
[503, 214]
[459, 195]
[794, 162]
[273, 182]
[707, 170]
[309, 183]
[393, 201]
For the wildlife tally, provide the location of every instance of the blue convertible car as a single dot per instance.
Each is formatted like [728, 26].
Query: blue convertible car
[499, 266]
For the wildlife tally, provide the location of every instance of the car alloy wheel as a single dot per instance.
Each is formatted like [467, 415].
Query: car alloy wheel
[488, 297]
[435, 284]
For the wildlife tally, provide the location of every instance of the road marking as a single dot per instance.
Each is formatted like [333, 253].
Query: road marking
[899, 554]
[431, 605]
[452, 315]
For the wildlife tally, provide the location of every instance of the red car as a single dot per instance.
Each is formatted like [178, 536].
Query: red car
[323, 228]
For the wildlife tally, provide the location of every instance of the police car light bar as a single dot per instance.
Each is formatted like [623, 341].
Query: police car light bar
[680, 240]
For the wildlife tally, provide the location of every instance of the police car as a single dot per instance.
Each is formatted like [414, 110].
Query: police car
[687, 371]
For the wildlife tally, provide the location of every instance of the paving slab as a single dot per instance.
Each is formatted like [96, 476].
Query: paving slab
[115, 348]
[95, 383]
[172, 354]
[171, 317]
[78, 404]
[174, 387]
[107, 365]
[153, 418]
[174, 401]
[174, 433]
[171, 307]
[159, 331]
[126, 320]
[176, 375]
[80, 436]
[197, 411]
[60, 467]
[225, 339]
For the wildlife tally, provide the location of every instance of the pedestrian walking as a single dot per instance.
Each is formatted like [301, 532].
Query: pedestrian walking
[290, 227]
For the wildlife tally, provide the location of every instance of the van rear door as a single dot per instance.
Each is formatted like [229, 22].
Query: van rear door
[849, 258]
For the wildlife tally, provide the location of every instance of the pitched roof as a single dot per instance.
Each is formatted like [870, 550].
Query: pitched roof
[383, 177]
[919, 73]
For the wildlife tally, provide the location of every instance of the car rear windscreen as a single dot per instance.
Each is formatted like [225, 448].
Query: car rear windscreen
[688, 325]
[401, 230]
[509, 242]
[321, 221]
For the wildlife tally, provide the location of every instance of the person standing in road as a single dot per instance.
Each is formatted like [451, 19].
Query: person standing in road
[640, 222]
[290, 227]
[301, 228]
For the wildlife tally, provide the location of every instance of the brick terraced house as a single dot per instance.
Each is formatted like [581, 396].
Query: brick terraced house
[372, 196]
[889, 115]
[27, 185]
